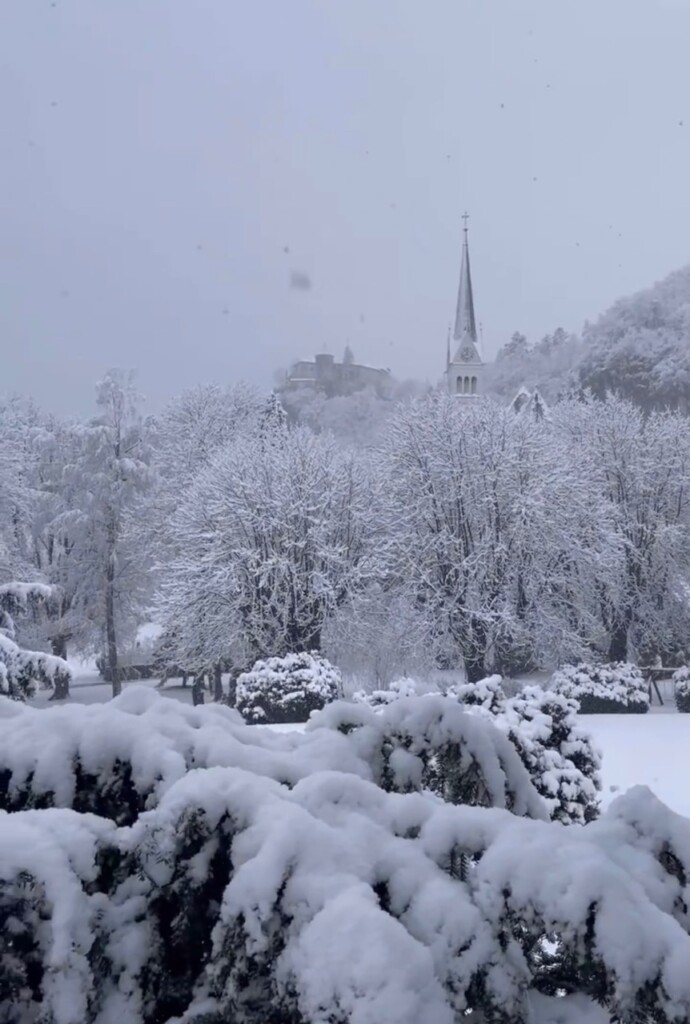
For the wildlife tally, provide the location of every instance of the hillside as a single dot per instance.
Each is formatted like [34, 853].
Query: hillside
[639, 348]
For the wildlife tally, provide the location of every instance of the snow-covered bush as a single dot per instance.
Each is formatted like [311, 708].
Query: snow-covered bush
[487, 693]
[681, 688]
[558, 753]
[554, 748]
[380, 698]
[272, 877]
[22, 671]
[431, 743]
[117, 760]
[603, 689]
[287, 689]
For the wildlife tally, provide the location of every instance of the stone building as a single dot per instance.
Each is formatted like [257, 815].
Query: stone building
[325, 374]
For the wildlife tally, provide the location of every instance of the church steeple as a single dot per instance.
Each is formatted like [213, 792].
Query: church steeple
[465, 323]
[464, 369]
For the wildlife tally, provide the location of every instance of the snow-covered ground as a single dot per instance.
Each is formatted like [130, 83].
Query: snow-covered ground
[651, 749]
[646, 749]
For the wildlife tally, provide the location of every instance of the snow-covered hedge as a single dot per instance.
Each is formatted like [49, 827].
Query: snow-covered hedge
[287, 689]
[283, 883]
[603, 689]
[118, 759]
[681, 688]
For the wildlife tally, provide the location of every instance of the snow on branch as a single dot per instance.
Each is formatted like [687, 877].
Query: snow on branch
[21, 671]
[23, 597]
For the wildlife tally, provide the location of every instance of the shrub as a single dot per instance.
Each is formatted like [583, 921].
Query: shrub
[22, 671]
[287, 689]
[381, 698]
[487, 693]
[681, 688]
[297, 879]
[618, 688]
[556, 751]
[554, 748]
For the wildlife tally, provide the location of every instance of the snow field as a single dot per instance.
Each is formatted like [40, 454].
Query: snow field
[651, 750]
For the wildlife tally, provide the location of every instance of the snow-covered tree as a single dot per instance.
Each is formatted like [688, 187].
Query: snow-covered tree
[548, 365]
[195, 425]
[358, 419]
[637, 468]
[55, 533]
[18, 421]
[101, 495]
[383, 632]
[639, 347]
[492, 531]
[273, 535]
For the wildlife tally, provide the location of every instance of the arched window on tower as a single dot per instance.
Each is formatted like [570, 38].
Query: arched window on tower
[466, 385]
[458, 386]
[474, 385]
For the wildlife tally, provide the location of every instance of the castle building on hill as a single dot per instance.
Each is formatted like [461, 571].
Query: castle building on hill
[465, 370]
[325, 374]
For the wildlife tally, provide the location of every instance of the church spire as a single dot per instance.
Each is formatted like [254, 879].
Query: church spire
[464, 372]
[465, 323]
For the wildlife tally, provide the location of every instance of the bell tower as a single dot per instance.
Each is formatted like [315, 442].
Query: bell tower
[464, 371]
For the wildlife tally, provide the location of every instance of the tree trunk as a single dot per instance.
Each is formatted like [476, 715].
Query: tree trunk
[474, 667]
[218, 682]
[110, 634]
[232, 689]
[58, 647]
[475, 658]
[198, 689]
[618, 644]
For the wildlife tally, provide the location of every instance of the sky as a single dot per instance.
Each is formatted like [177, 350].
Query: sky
[207, 190]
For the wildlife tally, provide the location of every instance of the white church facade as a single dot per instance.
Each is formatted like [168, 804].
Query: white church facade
[464, 364]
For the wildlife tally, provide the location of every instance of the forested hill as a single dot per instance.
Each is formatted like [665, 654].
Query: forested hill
[640, 348]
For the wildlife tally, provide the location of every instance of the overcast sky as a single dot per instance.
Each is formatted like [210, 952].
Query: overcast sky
[168, 167]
